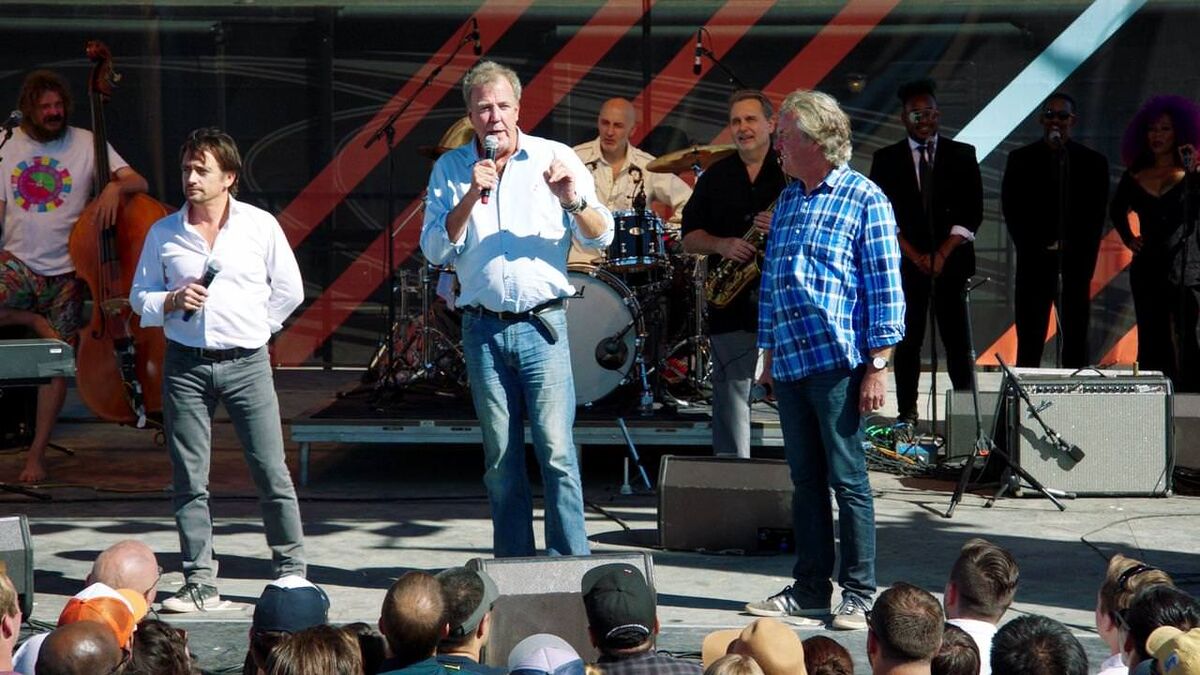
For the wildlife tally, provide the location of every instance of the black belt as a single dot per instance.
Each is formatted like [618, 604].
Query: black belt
[214, 354]
[515, 316]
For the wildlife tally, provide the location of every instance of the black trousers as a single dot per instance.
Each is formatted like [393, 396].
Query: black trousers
[950, 312]
[1035, 290]
[1154, 302]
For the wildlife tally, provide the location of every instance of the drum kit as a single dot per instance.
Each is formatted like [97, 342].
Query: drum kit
[636, 322]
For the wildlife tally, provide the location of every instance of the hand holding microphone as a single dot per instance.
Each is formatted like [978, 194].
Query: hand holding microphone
[485, 174]
[199, 290]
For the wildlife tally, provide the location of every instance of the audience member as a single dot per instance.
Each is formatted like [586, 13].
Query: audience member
[981, 587]
[127, 564]
[319, 650]
[1037, 645]
[958, 655]
[469, 595]
[1152, 607]
[160, 649]
[734, 664]
[773, 645]
[623, 623]
[287, 605]
[826, 656]
[413, 622]
[370, 643]
[10, 621]
[80, 648]
[544, 654]
[904, 630]
[1123, 579]
[1176, 652]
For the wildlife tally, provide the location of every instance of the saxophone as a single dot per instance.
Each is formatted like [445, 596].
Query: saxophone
[730, 277]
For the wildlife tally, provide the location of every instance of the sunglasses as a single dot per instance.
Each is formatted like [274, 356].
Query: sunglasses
[921, 115]
[1060, 115]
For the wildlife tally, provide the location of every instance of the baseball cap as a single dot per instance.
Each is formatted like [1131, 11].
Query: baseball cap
[118, 608]
[290, 604]
[775, 647]
[618, 602]
[544, 654]
[490, 593]
[1177, 652]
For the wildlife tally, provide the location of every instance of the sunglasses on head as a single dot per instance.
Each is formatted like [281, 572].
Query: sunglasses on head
[1060, 115]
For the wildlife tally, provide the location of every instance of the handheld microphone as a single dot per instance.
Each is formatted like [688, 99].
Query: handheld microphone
[1056, 139]
[210, 272]
[475, 36]
[699, 53]
[1187, 155]
[490, 145]
[13, 121]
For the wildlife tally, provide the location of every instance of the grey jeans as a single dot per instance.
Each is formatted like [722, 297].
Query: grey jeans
[735, 356]
[192, 388]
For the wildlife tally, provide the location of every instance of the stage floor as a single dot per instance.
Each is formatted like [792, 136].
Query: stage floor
[373, 511]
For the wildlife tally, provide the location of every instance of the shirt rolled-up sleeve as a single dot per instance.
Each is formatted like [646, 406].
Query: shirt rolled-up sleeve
[440, 199]
[585, 186]
[881, 274]
[148, 294]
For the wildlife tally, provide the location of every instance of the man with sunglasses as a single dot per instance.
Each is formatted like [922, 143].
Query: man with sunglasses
[1054, 195]
[937, 193]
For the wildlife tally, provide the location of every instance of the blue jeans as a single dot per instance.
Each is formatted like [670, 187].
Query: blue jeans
[192, 387]
[514, 369]
[823, 443]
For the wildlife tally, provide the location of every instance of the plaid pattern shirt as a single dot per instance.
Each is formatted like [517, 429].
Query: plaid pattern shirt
[831, 279]
[648, 663]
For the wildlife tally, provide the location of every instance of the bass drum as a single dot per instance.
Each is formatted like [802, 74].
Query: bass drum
[602, 307]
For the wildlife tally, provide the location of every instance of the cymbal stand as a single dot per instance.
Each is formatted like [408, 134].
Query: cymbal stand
[698, 371]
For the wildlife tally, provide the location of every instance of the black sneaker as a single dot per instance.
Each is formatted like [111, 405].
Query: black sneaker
[783, 604]
[192, 597]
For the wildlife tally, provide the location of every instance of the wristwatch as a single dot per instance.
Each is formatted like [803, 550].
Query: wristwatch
[879, 363]
[575, 208]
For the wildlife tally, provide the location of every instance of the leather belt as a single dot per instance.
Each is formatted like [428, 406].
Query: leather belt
[534, 314]
[213, 354]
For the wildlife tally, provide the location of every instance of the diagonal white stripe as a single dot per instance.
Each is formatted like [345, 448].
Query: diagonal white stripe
[1046, 73]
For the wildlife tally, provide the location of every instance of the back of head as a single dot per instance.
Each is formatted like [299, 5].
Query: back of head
[412, 617]
[320, 650]
[118, 609]
[469, 595]
[1037, 645]
[1124, 578]
[80, 648]
[986, 577]
[127, 564]
[159, 649]
[371, 644]
[907, 623]
[826, 656]
[1156, 606]
[734, 664]
[287, 605]
[958, 655]
[544, 654]
[8, 595]
[620, 607]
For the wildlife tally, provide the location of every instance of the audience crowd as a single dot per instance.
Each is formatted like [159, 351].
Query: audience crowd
[442, 624]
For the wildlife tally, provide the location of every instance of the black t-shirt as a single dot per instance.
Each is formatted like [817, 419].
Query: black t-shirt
[723, 205]
[456, 663]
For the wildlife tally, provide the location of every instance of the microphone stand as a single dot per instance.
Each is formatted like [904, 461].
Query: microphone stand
[733, 78]
[387, 131]
[1063, 162]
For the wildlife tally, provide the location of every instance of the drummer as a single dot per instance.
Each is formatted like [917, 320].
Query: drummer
[619, 170]
[732, 196]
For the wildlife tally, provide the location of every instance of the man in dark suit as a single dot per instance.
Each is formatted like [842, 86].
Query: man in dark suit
[1040, 179]
[937, 194]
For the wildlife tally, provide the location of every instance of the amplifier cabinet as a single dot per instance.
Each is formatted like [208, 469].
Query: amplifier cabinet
[1122, 424]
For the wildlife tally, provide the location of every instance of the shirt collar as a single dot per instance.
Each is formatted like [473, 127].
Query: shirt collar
[915, 146]
[831, 180]
[519, 154]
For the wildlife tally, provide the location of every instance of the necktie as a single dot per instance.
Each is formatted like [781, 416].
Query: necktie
[925, 175]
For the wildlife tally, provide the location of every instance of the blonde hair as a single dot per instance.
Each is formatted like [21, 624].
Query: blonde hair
[487, 72]
[8, 593]
[734, 664]
[1124, 578]
[819, 117]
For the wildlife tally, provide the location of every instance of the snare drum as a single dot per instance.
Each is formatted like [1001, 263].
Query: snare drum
[602, 307]
[637, 241]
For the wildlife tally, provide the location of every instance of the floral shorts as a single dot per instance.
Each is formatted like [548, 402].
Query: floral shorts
[59, 298]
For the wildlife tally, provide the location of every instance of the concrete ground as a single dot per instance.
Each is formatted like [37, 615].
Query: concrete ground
[372, 512]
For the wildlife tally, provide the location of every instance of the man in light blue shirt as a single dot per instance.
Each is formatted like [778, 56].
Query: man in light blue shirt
[505, 218]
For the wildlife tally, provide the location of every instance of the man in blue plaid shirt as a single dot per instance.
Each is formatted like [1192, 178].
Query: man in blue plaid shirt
[831, 308]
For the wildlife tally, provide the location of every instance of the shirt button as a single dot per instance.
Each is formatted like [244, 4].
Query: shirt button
[795, 314]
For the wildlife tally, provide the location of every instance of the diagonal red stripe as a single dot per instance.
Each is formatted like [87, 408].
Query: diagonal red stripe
[353, 163]
[576, 58]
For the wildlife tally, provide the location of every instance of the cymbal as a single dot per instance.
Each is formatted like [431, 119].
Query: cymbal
[459, 134]
[688, 159]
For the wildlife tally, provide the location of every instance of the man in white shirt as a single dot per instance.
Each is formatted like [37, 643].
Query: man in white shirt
[47, 172]
[982, 584]
[219, 276]
[619, 170]
[505, 218]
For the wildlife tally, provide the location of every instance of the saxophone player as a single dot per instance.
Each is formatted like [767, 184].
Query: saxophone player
[732, 196]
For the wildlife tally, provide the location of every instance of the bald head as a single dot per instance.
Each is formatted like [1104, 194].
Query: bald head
[127, 564]
[413, 617]
[617, 120]
[80, 648]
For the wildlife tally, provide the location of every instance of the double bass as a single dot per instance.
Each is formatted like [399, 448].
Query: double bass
[118, 362]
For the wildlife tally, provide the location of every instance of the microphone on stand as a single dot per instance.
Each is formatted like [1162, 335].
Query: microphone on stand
[14, 120]
[477, 47]
[1056, 139]
[699, 53]
[210, 272]
[490, 145]
[1187, 155]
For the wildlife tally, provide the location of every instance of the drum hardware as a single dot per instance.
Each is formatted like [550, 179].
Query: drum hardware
[696, 158]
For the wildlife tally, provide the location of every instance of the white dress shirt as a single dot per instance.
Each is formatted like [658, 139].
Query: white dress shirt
[915, 148]
[258, 285]
[512, 254]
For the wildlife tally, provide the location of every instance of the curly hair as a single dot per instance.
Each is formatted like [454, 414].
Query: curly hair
[1185, 117]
